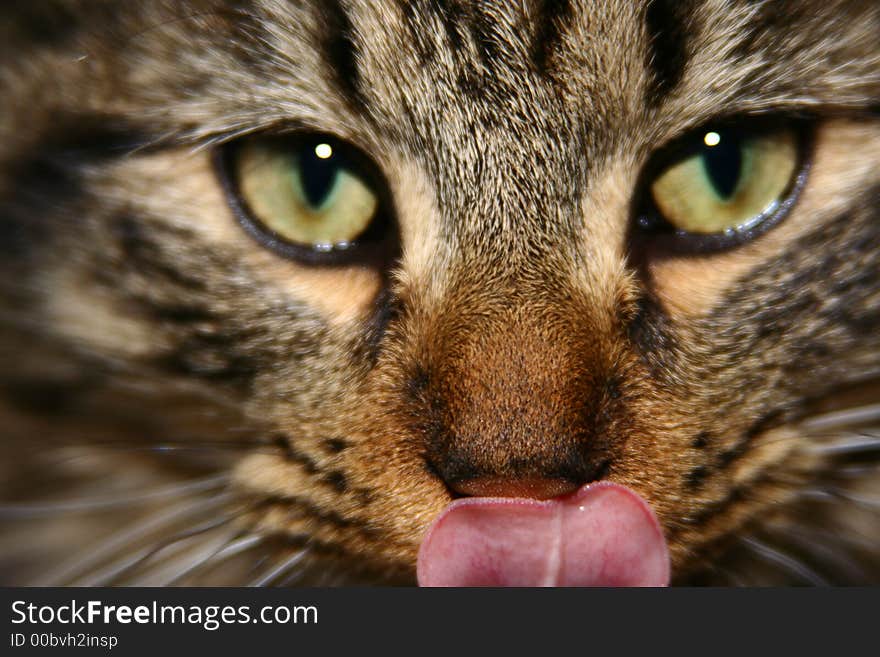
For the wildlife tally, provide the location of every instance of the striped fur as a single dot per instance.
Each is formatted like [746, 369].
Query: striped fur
[180, 405]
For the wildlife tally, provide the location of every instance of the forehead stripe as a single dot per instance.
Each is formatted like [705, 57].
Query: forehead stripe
[668, 26]
[340, 50]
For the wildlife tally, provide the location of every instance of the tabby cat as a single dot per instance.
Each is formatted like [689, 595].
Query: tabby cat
[440, 291]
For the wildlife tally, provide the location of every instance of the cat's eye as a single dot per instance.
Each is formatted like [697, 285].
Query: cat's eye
[721, 186]
[310, 197]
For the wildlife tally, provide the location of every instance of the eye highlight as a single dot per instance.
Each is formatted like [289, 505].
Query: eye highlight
[721, 186]
[309, 197]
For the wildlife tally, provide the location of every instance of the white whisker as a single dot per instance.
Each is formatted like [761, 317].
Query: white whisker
[29, 510]
[845, 418]
[867, 501]
[170, 567]
[820, 544]
[850, 444]
[817, 495]
[123, 539]
[218, 555]
[281, 569]
[118, 568]
[857, 471]
[785, 561]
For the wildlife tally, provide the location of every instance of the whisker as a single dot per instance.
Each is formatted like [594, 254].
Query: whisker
[119, 568]
[817, 495]
[187, 445]
[837, 496]
[859, 471]
[820, 544]
[161, 449]
[293, 578]
[127, 380]
[845, 418]
[157, 562]
[849, 445]
[125, 538]
[785, 561]
[281, 569]
[169, 567]
[219, 555]
[868, 502]
[28, 510]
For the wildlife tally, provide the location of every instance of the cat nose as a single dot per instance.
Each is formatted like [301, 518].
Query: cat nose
[516, 410]
[538, 488]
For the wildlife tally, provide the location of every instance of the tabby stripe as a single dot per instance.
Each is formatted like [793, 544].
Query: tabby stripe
[792, 282]
[770, 19]
[694, 479]
[467, 25]
[335, 445]
[771, 420]
[292, 504]
[49, 23]
[336, 479]
[714, 509]
[340, 50]
[552, 18]
[47, 176]
[752, 489]
[212, 358]
[668, 27]
[386, 308]
[482, 33]
[450, 14]
[143, 254]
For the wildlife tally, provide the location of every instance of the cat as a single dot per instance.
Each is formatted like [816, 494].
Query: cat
[300, 292]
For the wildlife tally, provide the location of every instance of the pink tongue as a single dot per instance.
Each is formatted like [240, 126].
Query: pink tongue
[603, 535]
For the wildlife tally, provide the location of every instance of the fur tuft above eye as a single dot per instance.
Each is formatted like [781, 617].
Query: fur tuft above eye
[309, 197]
[721, 186]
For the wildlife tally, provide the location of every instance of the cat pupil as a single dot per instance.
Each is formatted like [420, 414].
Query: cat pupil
[723, 165]
[318, 175]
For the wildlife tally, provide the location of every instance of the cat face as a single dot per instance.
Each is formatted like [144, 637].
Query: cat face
[283, 280]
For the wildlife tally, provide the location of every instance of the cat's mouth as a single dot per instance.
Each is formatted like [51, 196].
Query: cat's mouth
[602, 535]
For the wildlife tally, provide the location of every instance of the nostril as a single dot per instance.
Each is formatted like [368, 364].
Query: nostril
[538, 488]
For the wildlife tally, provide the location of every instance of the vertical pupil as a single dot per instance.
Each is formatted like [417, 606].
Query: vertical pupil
[317, 175]
[723, 163]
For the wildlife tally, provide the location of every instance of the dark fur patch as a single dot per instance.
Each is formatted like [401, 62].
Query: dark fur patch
[465, 25]
[385, 308]
[649, 332]
[695, 478]
[45, 397]
[294, 506]
[142, 252]
[48, 177]
[766, 422]
[214, 357]
[341, 50]
[50, 23]
[335, 445]
[553, 18]
[336, 479]
[667, 23]
[482, 32]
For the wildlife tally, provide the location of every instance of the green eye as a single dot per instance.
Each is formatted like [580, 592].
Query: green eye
[311, 197]
[729, 182]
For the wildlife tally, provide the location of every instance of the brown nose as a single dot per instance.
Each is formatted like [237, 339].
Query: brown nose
[531, 487]
[518, 412]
